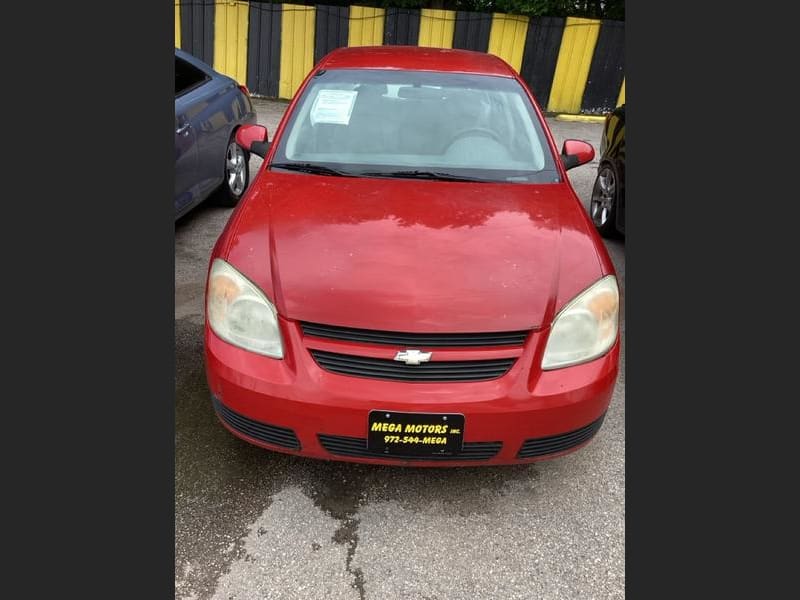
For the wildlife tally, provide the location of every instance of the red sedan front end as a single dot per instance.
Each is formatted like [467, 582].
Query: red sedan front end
[371, 316]
[297, 406]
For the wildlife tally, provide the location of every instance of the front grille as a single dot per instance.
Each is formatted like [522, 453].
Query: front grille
[350, 446]
[380, 368]
[263, 432]
[414, 340]
[561, 442]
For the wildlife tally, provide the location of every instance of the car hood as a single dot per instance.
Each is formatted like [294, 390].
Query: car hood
[414, 256]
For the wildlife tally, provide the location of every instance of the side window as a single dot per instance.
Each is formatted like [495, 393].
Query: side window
[187, 77]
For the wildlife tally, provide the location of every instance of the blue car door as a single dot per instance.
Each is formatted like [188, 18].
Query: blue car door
[214, 126]
[185, 162]
[192, 87]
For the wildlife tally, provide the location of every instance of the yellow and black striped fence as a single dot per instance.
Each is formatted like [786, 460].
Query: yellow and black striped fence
[573, 65]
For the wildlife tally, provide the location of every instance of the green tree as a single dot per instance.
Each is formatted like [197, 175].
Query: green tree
[598, 9]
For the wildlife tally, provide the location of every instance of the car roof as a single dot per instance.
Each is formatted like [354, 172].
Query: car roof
[416, 58]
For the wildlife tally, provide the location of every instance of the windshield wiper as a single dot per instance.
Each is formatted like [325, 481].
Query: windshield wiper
[437, 175]
[312, 168]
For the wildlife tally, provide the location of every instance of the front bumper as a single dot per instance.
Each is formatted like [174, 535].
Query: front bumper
[294, 406]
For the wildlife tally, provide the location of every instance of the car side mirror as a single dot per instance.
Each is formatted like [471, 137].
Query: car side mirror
[575, 153]
[253, 138]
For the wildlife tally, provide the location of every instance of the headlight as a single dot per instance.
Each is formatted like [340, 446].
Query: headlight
[586, 328]
[240, 313]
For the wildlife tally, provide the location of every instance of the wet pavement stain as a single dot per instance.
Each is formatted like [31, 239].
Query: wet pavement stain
[188, 292]
[348, 534]
[221, 483]
[289, 552]
[339, 492]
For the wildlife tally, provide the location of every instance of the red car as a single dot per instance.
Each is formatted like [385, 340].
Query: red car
[411, 279]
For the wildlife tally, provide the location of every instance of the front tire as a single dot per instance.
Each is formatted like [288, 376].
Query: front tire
[605, 201]
[237, 175]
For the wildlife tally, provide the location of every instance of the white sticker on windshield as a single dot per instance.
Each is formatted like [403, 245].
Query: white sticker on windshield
[333, 106]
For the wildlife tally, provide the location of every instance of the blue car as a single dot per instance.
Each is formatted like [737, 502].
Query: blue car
[209, 108]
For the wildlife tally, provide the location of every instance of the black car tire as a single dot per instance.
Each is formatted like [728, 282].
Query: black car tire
[236, 175]
[605, 195]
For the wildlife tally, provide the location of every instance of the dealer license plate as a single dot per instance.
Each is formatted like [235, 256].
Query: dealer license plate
[415, 434]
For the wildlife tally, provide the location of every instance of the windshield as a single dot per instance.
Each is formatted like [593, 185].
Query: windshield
[416, 124]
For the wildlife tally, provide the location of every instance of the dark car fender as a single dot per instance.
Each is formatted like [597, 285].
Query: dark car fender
[612, 150]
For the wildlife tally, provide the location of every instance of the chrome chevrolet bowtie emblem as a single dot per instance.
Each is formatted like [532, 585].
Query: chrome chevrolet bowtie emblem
[413, 357]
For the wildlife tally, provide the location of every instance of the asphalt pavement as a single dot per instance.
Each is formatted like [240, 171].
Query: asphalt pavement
[253, 524]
